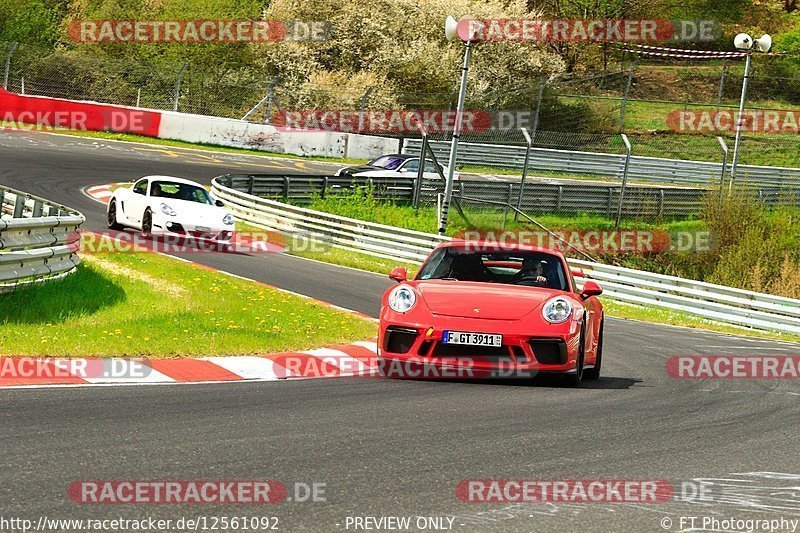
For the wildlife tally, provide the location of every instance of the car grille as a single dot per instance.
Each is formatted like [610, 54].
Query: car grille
[400, 340]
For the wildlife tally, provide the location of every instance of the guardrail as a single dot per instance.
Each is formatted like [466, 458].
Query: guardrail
[38, 239]
[769, 180]
[716, 303]
[537, 197]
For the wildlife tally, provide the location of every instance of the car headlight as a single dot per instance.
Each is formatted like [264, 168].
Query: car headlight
[557, 310]
[228, 219]
[167, 210]
[402, 299]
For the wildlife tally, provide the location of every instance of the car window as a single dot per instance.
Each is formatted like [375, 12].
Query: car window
[527, 268]
[412, 165]
[180, 191]
[140, 187]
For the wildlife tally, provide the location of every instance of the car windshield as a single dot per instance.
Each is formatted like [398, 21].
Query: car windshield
[180, 191]
[389, 162]
[515, 267]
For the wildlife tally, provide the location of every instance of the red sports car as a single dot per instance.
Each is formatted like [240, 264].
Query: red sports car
[479, 309]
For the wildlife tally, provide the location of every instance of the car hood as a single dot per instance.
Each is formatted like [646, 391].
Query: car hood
[349, 171]
[493, 301]
[195, 211]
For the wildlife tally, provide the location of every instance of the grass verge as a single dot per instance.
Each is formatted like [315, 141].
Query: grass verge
[144, 304]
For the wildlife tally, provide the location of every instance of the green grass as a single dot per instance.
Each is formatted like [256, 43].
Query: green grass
[144, 304]
[360, 204]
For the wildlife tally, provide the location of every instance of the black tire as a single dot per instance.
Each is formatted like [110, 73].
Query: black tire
[574, 380]
[147, 223]
[111, 216]
[594, 373]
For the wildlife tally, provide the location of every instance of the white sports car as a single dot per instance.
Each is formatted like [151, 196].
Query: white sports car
[163, 204]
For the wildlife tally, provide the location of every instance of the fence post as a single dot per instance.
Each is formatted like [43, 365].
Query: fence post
[37, 209]
[724, 147]
[178, 85]
[363, 108]
[624, 177]
[421, 170]
[625, 97]
[8, 64]
[528, 142]
[721, 88]
[270, 100]
[324, 187]
[2, 199]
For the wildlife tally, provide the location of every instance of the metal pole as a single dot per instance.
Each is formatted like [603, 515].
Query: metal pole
[138, 96]
[625, 97]
[178, 85]
[724, 165]
[624, 177]
[535, 124]
[362, 109]
[451, 168]
[528, 141]
[721, 89]
[8, 64]
[740, 118]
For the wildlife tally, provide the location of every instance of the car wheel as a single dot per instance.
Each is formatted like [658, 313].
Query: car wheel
[574, 380]
[594, 373]
[112, 216]
[147, 223]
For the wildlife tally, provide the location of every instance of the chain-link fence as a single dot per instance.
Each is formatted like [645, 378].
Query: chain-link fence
[574, 121]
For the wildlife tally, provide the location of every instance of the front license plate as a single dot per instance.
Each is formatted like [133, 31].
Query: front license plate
[472, 339]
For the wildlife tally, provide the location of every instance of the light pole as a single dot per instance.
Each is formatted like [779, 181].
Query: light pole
[745, 42]
[470, 37]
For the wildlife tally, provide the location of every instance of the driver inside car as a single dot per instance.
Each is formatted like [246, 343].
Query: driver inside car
[531, 273]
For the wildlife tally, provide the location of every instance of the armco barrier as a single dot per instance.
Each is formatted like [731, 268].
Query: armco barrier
[770, 180]
[705, 300]
[538, 197]
[37, 239]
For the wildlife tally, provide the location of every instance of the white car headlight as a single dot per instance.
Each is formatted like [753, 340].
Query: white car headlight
[557, 310]
[228, 219]
[167, 210]
[402, 299]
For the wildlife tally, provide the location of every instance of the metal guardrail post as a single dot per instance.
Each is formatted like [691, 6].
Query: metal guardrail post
[19, 206]
[8, 64]
[724, 147]
[624, 177]
[178, 85]
[528, 142]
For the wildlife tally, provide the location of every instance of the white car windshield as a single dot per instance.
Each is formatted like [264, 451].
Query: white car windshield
[388, 162]
[180, 191]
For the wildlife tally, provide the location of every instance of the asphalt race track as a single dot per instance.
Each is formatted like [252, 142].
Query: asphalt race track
[388, 447]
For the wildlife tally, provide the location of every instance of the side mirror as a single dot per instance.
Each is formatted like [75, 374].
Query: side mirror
[219, 203]
[399, 274]
[460, 166]
[591, 288]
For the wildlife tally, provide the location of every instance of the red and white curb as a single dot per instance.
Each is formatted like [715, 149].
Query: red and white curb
[357, 359]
